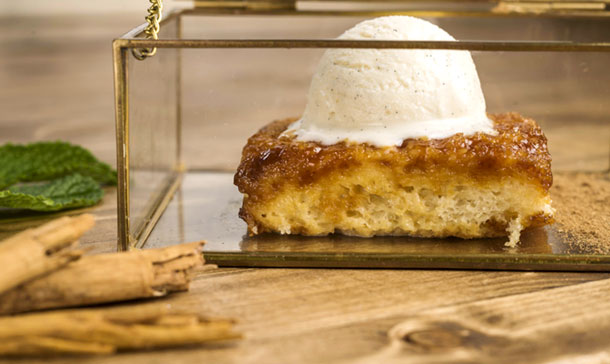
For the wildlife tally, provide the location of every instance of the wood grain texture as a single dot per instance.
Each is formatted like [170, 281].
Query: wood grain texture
[563, 324]
[56, 76]
[314, 316]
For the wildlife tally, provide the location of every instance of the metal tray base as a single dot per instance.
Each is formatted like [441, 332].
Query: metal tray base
[206, 204]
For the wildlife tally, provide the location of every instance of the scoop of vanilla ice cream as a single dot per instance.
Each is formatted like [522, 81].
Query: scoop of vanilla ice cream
[382, 97]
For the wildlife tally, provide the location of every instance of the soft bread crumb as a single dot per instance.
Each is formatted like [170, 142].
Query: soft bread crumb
[366, 203]
[514, 232]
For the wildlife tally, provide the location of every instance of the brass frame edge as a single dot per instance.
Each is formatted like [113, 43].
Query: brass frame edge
[121, 102]
[179, 96]
[538, 262]
[493, 12]
[512, 46]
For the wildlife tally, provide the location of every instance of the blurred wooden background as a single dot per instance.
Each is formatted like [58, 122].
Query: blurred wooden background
[48, 61]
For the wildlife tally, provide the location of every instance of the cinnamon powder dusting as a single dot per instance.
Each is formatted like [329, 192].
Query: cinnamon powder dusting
[582, 203]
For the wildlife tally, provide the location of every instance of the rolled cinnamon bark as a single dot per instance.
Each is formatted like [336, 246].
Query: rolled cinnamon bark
[34, 252]
[107, 330]
[108, 278]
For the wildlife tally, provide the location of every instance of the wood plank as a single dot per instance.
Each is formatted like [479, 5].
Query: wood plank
[312, 316]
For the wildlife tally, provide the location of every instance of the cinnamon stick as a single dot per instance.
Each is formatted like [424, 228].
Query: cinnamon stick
[108, 278]
[34, 252]
[104, 331]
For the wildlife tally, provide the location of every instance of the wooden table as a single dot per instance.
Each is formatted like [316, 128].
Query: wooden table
[57, 86]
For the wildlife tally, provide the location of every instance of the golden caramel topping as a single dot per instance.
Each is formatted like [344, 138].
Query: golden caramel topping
[519, 149]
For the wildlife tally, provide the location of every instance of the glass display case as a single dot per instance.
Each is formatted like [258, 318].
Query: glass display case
[222, 70]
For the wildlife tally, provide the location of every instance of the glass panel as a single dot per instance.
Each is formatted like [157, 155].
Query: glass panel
[564, 92]
[153, 126]
[226, 99]
[231, 93]
[228, 94]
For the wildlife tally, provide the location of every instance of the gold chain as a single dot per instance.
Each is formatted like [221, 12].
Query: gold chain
[155, 13]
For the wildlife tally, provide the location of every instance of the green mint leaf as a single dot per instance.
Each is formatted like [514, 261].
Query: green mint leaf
[62, 193]
[49, 160]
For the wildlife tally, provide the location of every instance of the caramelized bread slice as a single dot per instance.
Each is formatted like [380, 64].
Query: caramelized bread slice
[465, 186]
